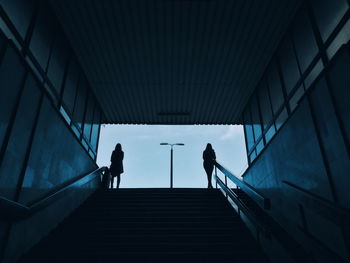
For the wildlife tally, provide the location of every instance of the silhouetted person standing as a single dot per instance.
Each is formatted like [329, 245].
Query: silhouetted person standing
[116, 168]
[208, 162]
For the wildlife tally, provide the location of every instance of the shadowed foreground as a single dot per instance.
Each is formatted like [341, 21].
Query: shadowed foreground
[150, 225]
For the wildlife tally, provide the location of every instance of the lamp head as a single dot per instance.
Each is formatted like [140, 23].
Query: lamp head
[164, 143]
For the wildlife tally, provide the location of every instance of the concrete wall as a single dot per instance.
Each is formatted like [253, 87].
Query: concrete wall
[47, 139]
[55, 158]
[311, 151]
[297, 127]
[24, 234]
[40, 153]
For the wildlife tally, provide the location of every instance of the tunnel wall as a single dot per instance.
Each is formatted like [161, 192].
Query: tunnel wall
[49, 121]
[297, 127]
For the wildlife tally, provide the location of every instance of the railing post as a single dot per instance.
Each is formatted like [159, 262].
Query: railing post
[171, 167]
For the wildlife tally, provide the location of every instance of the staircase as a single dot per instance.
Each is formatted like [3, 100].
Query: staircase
[150, 225]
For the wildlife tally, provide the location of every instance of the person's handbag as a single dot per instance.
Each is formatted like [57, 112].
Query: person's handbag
[106, 178]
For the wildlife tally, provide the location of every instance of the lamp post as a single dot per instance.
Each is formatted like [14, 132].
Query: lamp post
[171, 159]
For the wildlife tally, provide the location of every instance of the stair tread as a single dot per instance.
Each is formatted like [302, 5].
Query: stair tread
[158, 224]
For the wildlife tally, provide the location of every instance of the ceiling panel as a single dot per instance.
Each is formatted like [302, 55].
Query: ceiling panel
[174, 61]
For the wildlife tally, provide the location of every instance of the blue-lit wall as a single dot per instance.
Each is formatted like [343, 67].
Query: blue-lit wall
[49, 120]
[298, 130]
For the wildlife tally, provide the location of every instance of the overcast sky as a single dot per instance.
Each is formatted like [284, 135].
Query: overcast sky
[147, 164]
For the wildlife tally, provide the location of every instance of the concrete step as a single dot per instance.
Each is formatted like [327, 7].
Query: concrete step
[165, 225]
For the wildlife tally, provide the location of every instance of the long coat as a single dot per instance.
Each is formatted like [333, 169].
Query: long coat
[117, 163]
[208, 160]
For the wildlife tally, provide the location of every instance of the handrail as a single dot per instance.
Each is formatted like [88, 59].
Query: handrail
[13, 211]
[249, 190]
[270, 228]
[320, 205]
[233, 196]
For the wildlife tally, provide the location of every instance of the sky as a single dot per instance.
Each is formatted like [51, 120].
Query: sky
[147, 163]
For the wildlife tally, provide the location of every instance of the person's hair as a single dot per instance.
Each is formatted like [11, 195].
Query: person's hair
[209, 147]
[118, 147]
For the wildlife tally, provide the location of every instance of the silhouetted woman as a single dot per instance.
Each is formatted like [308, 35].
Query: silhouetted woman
[208, 162]
[117, 164]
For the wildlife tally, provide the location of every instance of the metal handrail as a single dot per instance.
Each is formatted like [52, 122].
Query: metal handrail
[320, 205]
[264, 202]
[267, 229]
[14, 211]
[270, 227]
[241, 206]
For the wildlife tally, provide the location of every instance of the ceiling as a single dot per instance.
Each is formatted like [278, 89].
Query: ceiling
[174, 61]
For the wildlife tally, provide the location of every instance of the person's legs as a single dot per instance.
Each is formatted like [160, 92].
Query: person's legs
[207, 170]
[209, 179]
[112, 181]
[209, 176]
[118, 180]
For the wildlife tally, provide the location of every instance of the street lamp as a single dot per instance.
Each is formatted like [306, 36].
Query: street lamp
[171, 159]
